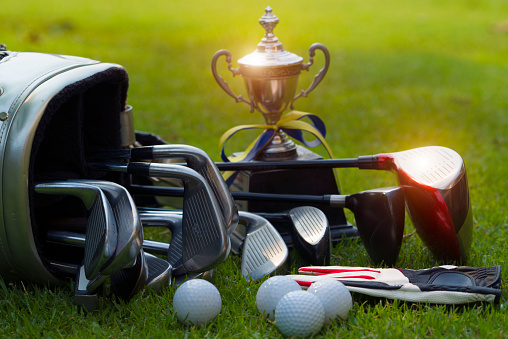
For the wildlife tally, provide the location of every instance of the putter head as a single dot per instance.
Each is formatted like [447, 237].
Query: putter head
[159, 273]
[380, 216]
[101, 229]
[264, 251]
[127, 282]
[311, 234]
[437, 198]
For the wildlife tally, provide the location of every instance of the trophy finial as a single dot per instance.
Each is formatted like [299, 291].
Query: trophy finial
[269, 21]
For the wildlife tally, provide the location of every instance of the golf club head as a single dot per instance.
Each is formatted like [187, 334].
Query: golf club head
[127, 282]
[101, 229]
[161, 218]
[379, 215]
[201, 162]
[437, 198]
[180, 279]
[159, 273]
[204, 237]
[264, 251]
[89, 301]
[130, 230]
[311, 234]
[196, 159]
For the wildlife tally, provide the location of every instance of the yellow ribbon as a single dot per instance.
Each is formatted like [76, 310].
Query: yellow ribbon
[291, 121]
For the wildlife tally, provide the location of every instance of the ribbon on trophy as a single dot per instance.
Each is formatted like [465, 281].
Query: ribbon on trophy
[291, 124]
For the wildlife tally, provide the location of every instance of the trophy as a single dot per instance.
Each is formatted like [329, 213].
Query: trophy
[271, 76]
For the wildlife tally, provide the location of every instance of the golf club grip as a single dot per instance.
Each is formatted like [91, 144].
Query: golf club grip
[327, 200]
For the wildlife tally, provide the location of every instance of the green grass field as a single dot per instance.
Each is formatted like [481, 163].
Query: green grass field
[403, 74]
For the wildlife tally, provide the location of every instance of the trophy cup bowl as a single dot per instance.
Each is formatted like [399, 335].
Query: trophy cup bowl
[271, 76]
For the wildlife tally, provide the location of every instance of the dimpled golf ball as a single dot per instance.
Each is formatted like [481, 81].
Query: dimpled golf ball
[270, 292]
[197, 302]
[299, 313]
[334, 296]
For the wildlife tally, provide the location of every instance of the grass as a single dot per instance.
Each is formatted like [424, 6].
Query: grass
[402, 75]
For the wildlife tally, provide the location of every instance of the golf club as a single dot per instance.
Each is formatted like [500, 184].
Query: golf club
[82, 297]
[78, 240]
[159, 273]
[205, 239]
[159, 270]
[101, 228]
[196, 159]
[127, 282]
[308, 228]
[435, 186]
[130, 231]
[379, 215]
[151, 218]
[159, 277]
[264, 252]
[266, 241]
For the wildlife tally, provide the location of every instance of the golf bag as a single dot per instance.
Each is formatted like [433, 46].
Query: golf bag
[54, 109]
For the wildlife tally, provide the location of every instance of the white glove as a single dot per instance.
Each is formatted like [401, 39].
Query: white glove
[439, 285]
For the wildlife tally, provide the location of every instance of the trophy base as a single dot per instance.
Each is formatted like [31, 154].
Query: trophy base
[281, 148]
[313, 181]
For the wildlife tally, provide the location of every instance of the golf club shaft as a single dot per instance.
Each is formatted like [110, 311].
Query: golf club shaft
[362, 162]
[334, 200]
[78, 240]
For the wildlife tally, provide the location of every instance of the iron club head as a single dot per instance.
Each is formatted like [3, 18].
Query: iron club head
[101, 229]
[205, 239]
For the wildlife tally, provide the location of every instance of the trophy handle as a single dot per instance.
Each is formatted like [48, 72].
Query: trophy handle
[321, 74]
[222, 83]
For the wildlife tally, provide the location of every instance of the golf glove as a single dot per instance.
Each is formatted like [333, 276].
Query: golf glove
[439, 285]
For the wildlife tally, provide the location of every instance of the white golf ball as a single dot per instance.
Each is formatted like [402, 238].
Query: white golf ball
[197, 302]
[270, 292]
[334, 296]
[299, 313]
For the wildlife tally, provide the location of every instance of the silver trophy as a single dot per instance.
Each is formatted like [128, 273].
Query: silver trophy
[271, 78]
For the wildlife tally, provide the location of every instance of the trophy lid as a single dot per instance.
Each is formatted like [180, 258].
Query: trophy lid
[270, 51]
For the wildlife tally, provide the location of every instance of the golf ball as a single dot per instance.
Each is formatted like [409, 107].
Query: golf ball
[299, 313]
[334, 296]
[197, 302]
[270, 292]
